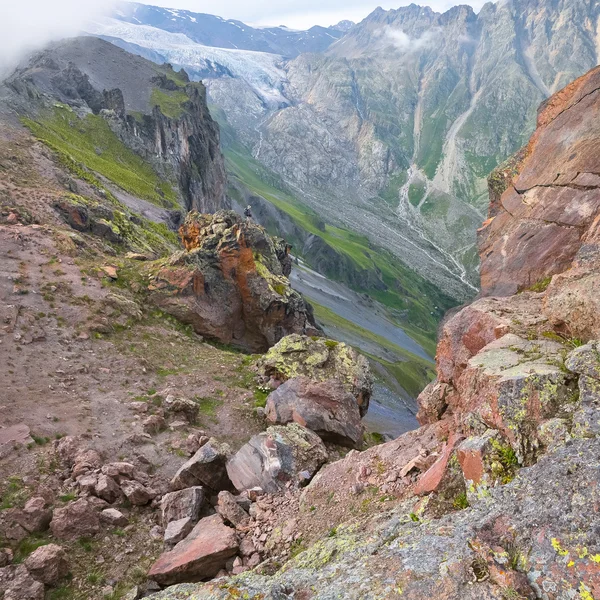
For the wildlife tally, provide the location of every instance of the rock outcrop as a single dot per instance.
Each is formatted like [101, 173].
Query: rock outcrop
[319, 360]
[154, 111]
[546, 222]
[229, 284]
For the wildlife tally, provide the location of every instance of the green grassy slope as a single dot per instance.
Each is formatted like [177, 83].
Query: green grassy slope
[90, 142]
[412, 372]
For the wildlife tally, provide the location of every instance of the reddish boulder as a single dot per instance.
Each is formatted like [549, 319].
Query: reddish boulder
[76, 519]
[201, 555]
[48, 564]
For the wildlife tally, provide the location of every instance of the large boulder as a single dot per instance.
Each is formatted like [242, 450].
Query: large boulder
[513, 385]
[229, 284]
[199, 556]
[319, 359]
[75, 520]
[205, 468]
[326, 407]
[276, 457]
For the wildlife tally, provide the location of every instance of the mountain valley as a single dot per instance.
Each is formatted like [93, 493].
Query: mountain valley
[203, 403]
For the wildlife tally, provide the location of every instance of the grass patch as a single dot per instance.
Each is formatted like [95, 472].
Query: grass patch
[91, 142]
[208, 406]
[28, 545]
[15, 495]
[171, 104]
[541, 285]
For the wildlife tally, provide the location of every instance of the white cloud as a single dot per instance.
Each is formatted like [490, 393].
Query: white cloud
[26, 25]
[405, 43]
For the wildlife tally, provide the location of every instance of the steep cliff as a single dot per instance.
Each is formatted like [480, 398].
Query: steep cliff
[122, 104]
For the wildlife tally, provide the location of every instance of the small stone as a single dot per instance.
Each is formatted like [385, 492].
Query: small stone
[113, 517]
[178, 530]
[136, 493]
[154, 424]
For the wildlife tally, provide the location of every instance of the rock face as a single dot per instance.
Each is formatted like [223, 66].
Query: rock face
[547, 218]
[183, 146]
[229, 284]
[200, 556]
[319, 360]
[327, 408]
[279, 455]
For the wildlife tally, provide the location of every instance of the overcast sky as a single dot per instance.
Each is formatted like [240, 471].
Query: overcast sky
[298, 14]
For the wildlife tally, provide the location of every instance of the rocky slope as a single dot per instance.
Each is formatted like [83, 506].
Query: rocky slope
[402, 119]
[496, 495]
[152, 111]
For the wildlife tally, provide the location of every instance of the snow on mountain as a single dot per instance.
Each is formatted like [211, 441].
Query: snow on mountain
[260, 70]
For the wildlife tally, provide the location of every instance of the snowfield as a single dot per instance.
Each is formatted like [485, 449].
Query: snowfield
[260, 70]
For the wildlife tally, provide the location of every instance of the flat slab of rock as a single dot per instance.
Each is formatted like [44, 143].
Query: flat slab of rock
[327, 408]
[277, 456]
[200, 556]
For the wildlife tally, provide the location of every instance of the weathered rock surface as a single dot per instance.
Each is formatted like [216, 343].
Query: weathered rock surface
[200, 556]
[76, 519]
[548, 214]
[137, 493]
[48, 564]
[17, 584]
[113, 517]
[319, 360]
[521, 538]
[205, 468]
[326, 407]
[181, 504]
[229, 284]
[230, 510]
[279, 455]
